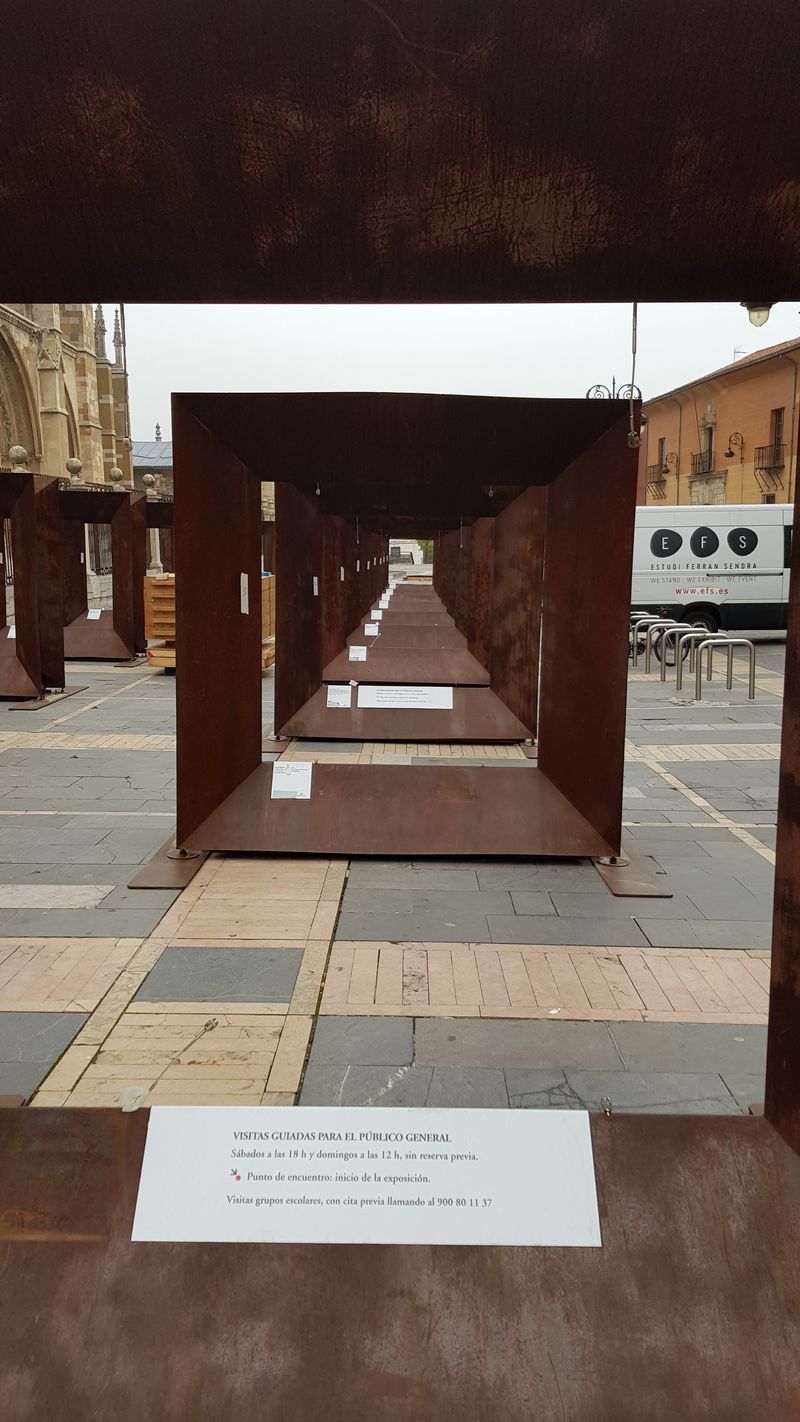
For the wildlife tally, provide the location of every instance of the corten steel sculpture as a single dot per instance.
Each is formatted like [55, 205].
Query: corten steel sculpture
[118, 634]
[468, 150]
[534, 493]
[32, 647]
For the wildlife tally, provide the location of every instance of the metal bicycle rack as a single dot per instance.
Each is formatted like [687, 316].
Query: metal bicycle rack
[728, 643]
[674, 631]
[693, 637]
[660, 625]
[642, 621]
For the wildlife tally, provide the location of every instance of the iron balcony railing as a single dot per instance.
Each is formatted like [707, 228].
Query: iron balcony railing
[769, 456]
[656, 472]
[703, 463]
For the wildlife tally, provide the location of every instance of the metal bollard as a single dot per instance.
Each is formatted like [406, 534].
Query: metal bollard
[674, 631]
[728, 643]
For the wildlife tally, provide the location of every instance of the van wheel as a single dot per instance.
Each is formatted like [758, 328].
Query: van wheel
[702, 618]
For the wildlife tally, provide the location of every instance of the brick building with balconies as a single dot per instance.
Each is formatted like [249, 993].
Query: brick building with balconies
[729, 437]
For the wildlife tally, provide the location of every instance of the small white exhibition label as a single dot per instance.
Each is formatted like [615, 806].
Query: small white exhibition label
[350, 1175]
[340, 695]
[377, 614]
[371, 629]
[94, 614]
[244, 593]
[356, 653]
[407, 698]
[291, 780]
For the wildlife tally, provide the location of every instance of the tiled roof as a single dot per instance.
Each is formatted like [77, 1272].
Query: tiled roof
[755, 358]
[152, 454]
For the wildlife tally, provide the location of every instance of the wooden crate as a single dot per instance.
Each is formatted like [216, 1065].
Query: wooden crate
[159, 620]
[267, 622]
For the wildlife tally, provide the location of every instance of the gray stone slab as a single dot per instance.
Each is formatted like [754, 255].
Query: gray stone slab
[29, 1037]
[746, 1087]
[623, 907]
[469, 1087]
[702, 933]
[580, 877]
[594, 931]
[474, 1042]
[363, 1041]
[337, 1084]
[222, 975]
[81, 923]
[695, 1093]
[28, 895]
[445, 902]
[402, 874]
[22, 1078]
[690, 1046]
[444, 927]
[732, 903]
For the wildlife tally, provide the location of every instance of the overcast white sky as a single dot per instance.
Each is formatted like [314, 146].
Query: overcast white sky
[467, 350]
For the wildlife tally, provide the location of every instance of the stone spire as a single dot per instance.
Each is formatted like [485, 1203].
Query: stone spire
[158, 433]
[117, 341]
[99, 333]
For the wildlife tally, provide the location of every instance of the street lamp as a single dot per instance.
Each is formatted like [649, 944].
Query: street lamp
[738, 440]
[758, 311]
[623, 392]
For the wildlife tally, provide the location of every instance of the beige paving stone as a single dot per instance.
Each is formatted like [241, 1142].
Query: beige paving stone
[50, 1098]
[290, 1057]
[69, 1069]
[278, 1098]
[305, 996]
[263, 1009]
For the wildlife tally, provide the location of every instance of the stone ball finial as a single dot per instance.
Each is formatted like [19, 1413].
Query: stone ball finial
[18, 455]
[73, 467]
[116, 475]
[149, 481]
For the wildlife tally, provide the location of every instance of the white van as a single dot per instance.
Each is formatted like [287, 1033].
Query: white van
[721, 566]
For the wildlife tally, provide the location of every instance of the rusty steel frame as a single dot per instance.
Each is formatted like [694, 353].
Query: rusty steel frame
[118, 635]
[33, 660]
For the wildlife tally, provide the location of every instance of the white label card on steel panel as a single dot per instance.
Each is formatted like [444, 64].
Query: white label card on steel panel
[12, 631]
[376, 614]
[356, 653]
[371, 629]
[315, 582]
[363, 1175]
[406, 698]
[291, 780]
[94, 614]
[244, 593]
[340, 696]
[341, 573]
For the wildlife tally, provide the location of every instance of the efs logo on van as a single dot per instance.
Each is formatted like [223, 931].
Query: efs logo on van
[704, 542]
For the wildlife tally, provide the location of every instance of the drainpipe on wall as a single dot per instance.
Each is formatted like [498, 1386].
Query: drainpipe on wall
[785, 356]
[678, 450]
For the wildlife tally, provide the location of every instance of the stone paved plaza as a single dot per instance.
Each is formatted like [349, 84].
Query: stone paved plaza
[465, 983]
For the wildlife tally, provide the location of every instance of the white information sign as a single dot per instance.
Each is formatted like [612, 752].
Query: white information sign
[407, 698]
[356, 653]
[244, 593]
[341, 573]
[94, 614]
[348, 1175]
[12, 631]
[371, 629]
[291, 780]
[377, 614]
[340, 695]
[315, 586]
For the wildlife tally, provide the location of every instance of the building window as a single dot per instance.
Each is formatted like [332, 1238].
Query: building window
[776, 426]
[662, 454]
[767, 498]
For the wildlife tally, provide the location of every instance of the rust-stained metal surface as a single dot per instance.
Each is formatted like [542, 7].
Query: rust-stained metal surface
[115, 635]
[468, 150]
[218, 682]
[782, 1098]
[477, 715]
[688, 1311]
[586, 601]
[165, 870]
[22, 502]
[374, 809]
[422, 666]
[48, 578]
